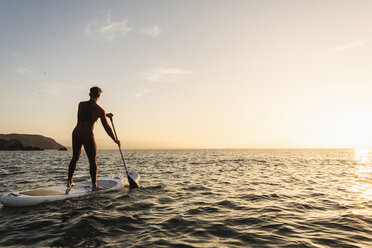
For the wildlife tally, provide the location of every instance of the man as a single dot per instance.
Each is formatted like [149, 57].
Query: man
[88, 114]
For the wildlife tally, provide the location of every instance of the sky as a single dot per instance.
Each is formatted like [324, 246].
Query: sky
[191, 74]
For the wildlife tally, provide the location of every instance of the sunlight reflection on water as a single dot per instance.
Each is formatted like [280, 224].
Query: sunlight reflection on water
[362, 155]
[362, 187]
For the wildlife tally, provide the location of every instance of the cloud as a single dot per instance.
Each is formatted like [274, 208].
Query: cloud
[141, 94]
[56, 89]
[151, 31]
[350, 45]
[90, 27]
[24, 70]
[108, 29]
[164, 74]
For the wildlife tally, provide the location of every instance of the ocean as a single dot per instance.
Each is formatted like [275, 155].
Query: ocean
[196, 198]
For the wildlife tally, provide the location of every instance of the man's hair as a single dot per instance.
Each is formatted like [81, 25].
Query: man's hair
[95, 92]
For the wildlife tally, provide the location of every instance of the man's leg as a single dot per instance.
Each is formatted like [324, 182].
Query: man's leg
[91, 150]
[76, 151]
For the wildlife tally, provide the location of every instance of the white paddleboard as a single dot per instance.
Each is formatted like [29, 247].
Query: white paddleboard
[58, 193]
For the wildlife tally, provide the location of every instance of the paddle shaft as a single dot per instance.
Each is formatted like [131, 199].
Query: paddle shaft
[121, 153]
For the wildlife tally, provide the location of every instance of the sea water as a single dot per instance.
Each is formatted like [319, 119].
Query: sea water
[197, 198]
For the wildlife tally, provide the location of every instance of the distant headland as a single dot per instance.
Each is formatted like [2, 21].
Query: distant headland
[28, 142]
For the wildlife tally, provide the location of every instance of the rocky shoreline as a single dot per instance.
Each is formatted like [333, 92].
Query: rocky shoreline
[16, 145]
[28, 142]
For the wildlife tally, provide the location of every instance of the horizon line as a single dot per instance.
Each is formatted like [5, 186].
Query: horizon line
[250, 148]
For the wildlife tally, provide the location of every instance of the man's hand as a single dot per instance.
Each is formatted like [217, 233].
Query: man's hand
[109, 115]
[117, 141]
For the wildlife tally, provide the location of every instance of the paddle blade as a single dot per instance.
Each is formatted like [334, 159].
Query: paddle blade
[132, 184]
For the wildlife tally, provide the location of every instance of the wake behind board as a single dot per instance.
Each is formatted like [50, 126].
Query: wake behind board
[58, 193]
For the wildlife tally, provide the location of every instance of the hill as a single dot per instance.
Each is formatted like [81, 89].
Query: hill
[33, 140]
[15, 145]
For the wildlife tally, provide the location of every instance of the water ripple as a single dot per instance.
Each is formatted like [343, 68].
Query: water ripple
[196, 198]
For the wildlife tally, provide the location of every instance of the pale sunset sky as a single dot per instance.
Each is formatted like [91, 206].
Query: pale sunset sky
[191, 74]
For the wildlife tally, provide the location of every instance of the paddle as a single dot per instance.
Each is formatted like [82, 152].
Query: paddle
[132, 183]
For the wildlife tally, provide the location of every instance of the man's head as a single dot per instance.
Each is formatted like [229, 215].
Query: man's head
[95, 92]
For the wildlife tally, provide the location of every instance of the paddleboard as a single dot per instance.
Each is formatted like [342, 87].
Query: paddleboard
[58, 193]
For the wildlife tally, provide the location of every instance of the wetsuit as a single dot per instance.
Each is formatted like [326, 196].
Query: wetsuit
[82, 135]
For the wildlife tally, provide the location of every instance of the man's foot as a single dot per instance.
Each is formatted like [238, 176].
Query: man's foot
[70, 184]
[96, 188]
